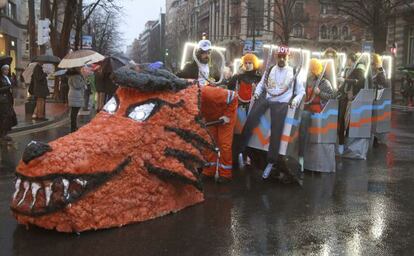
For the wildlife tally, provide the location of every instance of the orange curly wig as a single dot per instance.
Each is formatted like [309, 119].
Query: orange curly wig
[252, 58]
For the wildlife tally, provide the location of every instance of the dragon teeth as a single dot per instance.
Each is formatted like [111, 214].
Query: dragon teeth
[35, 189]
[65, 188]
[81, 182]
[48, 193]
[17, 188]
[26, 186]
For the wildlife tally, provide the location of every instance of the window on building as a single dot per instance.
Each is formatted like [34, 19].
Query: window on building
[334, 32]
[345, 32]
[323, 33]
[411, 47]
[11, 9]
[324, 9]
[255, 11]
[298, 31]
[269, 12]
[298, 9]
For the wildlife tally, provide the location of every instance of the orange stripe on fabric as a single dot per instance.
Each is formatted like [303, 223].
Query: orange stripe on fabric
[369, 120]
[289, 139]
[323, 130]
[382, 117]
[263, 140]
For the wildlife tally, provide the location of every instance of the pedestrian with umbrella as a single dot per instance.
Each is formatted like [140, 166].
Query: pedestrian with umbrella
[74, 61]
[105, 88]
[39, 89]
[8, 117]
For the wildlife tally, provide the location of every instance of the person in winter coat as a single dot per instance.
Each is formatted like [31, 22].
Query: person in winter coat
[201, 68]
[7, 115]
[39, 89]
[353, 83]
[77, 87]
[318, 92]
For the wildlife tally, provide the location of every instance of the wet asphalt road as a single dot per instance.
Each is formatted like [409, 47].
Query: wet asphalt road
[365, 208]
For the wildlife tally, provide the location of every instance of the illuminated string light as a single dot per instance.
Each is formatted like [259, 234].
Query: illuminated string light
[387, 58]
[193, 45]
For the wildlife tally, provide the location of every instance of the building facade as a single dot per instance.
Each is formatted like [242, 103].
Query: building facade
[401, 33]
[235, 24]
[13, 33]
[152, 41]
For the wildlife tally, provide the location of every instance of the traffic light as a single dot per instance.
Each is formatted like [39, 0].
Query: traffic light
[394, 49]
[43, 31]
[166, 52]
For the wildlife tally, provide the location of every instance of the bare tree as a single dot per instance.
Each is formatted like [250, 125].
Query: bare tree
[60, 13]
[373, 14]
[64, 17]
[107, 36]
[282, 14]
[86, 8]
[135, 55]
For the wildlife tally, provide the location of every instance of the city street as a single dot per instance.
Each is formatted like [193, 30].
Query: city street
[365, 208]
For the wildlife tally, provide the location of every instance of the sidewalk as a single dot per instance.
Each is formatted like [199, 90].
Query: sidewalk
[54, 112]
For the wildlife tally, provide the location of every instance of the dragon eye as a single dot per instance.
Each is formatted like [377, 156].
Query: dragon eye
[142, 112]
[111, 106]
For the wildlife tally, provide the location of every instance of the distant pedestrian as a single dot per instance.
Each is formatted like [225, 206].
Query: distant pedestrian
[8, 117]
[77, 87]
[64, 88]
[407, 90]
[39, 89]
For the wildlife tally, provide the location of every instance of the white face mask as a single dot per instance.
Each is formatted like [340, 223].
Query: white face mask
[249, 67]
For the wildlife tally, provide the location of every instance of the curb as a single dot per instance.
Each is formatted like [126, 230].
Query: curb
[40, 124]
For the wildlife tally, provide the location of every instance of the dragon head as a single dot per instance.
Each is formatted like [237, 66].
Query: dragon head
[135, 161]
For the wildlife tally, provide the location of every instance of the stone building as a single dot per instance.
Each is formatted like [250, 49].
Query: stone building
[236, 24]
[13, 33]
[401, 33]
[152, 41]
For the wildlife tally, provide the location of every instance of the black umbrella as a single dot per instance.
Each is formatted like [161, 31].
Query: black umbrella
[46, 59]
[112, 63]
[5, 60]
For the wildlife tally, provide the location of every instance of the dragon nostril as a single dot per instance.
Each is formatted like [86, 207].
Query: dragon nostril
[35, 149]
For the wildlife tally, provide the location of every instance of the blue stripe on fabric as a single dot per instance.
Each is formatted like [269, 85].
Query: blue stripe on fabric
[361, 109]
[241, 113]
[371, 107]
[382, 106]
[292, 121]
[331, 112]
[264, 125]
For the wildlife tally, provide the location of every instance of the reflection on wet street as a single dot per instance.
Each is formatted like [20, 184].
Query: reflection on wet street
[365, 208]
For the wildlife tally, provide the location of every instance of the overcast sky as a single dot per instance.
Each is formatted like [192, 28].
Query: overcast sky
[136, 13]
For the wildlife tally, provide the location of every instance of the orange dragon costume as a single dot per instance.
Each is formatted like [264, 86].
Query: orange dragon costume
[135, 161]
